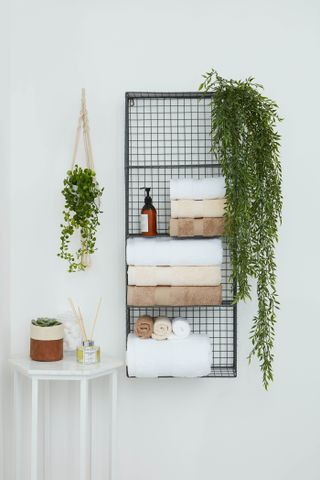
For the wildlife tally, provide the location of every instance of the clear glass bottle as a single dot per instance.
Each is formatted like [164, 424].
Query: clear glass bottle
[88, 353]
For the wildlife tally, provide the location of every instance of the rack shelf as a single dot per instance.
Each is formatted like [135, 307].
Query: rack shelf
[204, 165]
[167, 135]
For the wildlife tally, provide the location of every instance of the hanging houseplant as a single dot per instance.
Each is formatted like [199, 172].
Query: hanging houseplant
[82, 202]
[246, 143]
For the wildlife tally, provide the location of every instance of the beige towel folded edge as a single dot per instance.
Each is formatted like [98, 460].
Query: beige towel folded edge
[204, 275]
[195, 227]
[174, 296]
[197, 208]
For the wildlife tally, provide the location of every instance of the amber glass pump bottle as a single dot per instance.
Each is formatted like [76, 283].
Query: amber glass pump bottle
[148, 217]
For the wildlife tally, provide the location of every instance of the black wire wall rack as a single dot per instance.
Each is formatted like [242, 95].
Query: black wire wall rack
[167, 135]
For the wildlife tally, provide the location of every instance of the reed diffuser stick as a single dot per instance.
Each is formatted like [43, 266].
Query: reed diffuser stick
[77, 317]
[73, 309]
[95, 318]
[82, 323]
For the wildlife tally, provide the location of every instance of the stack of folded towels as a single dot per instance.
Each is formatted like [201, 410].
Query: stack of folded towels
[197, 207]
[183, 354]
[164, 271]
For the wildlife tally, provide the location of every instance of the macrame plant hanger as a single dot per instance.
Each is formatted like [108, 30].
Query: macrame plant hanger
[83, 126]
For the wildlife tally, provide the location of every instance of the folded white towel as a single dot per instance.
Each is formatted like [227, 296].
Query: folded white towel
[180, 328]
[162, 328]
[169, 251]
[197, 189]
[188, 357]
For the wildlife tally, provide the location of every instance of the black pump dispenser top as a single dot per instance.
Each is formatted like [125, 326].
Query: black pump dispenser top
[147, 198]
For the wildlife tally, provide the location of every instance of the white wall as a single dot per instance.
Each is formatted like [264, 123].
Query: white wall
[4, 231]
[185, 429]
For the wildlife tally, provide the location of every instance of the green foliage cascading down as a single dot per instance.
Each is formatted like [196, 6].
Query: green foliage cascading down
[246, 143]
[81, 212]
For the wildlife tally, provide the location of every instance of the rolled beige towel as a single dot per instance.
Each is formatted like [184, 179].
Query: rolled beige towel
[162, 328]
[143, 327]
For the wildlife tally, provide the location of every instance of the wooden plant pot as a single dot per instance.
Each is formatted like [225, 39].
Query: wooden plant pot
[46, 343]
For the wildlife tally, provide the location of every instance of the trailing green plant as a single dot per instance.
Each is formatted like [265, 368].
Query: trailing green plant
[45, 322]
[81, 212]
[246, 143]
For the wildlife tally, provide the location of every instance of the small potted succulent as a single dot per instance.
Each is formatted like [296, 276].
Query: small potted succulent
[46, 340]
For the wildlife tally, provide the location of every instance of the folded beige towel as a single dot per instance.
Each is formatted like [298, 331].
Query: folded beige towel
[193, 227]
[197, 208]
[173, 296]
[150, 276]
[143, 327]
[162, 328]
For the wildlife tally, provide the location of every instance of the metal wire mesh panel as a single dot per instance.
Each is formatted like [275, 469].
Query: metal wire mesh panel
[216, 322]
[168, 136]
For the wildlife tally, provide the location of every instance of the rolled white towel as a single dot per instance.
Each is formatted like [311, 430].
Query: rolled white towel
[71, 345]
[72, 340]
[170, 251]
[72, 334]
[197, 189]
[75, 335]
[162, 328]
[188, 357]
[180, 328]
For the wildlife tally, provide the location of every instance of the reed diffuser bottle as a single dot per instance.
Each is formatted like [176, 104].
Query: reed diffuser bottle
[87, 353]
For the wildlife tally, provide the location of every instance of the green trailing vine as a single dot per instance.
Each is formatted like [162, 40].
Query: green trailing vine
[245, 140]
[81, 212]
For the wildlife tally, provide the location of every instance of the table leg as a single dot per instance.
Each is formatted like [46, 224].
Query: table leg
[46, 431]
[114, 387]
[85, 437]
[34, 428]
[17, 424]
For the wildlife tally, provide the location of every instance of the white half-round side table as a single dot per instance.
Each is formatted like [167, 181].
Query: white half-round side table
[66, 369]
